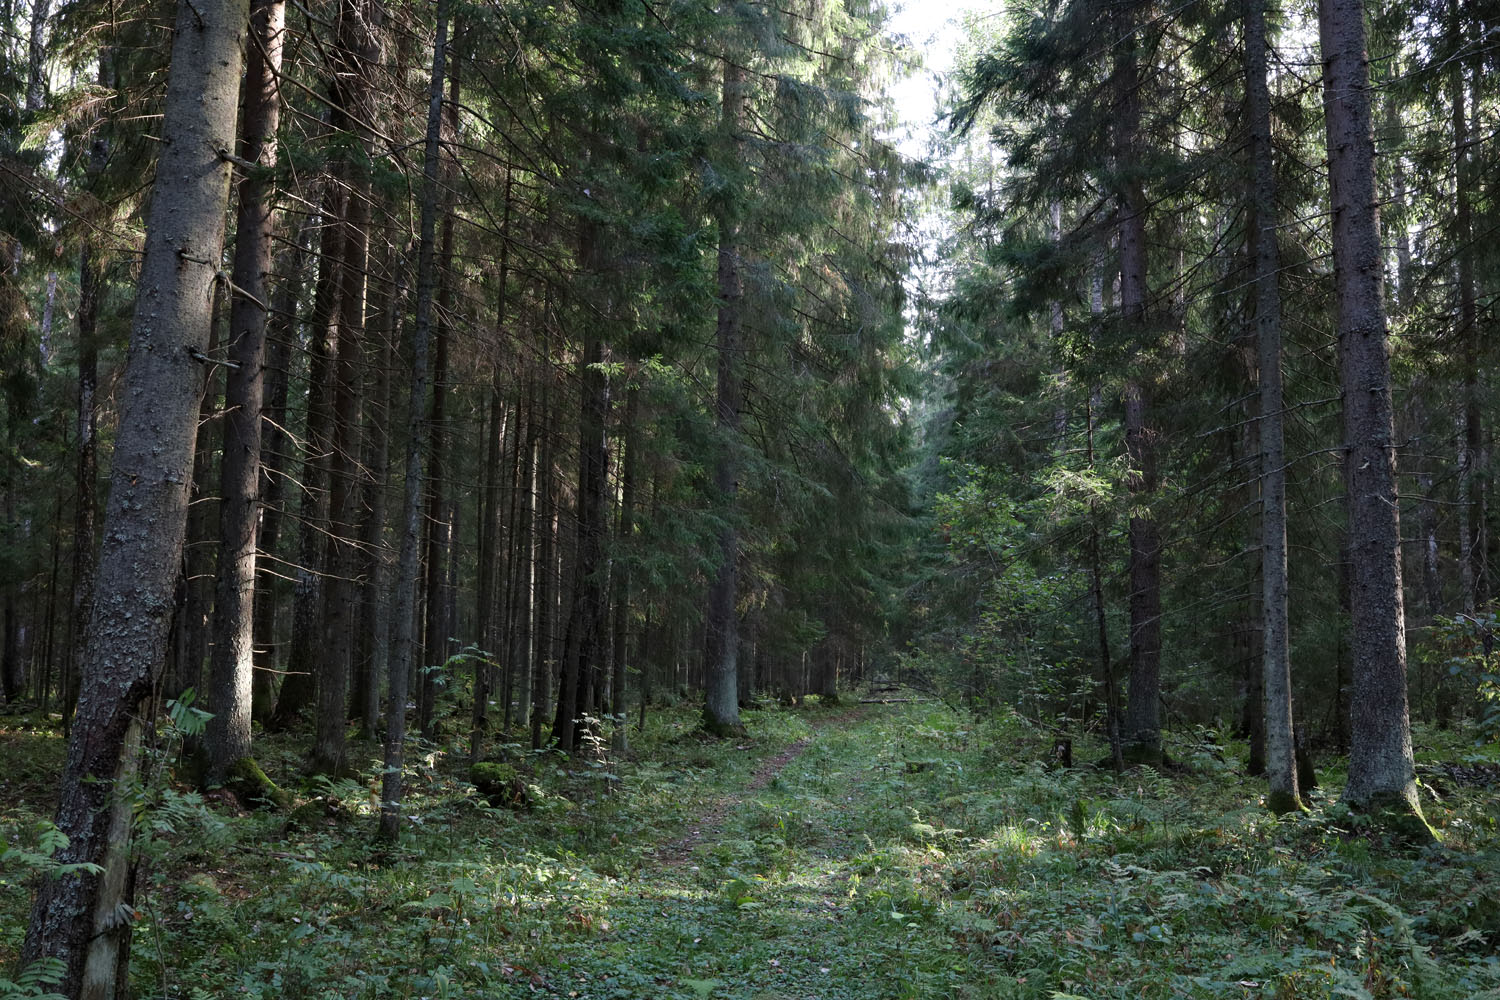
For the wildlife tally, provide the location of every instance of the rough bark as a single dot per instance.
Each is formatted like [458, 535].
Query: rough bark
[75, 917]
[227, 737]
[1380, 758]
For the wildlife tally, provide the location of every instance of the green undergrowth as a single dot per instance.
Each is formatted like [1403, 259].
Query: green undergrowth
[908, 851]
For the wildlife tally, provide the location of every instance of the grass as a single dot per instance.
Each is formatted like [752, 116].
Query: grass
[907, 852]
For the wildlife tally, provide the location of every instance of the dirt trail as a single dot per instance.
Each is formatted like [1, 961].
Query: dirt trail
[711, 820]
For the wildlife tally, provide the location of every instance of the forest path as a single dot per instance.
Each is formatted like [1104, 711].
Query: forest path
[710, 822]
[778, 889]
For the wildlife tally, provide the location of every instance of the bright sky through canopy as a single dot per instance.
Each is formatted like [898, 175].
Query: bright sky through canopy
[934, 28]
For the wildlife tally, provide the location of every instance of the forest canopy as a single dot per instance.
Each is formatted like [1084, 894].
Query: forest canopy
[389, 383]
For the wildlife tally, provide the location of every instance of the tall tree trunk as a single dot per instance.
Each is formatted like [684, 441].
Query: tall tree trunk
[416, 446]
[1380, 760]
[276, 451]
[74, 918]
[1470, 426]
[586, 630]
[490, 572]
[504, 617]
[374, 635]
[436, 631]
[1113, 716]
[36, 53]
[522, 544]
[352, 108]
[543, 655]
[440, 525]
[619, 668]
[299, 687]
[90, 294]
[1142, 736]
[190, 649]
[721, 708]
[487, 568]
[1281, 763]
[227, 737]
[12, 671]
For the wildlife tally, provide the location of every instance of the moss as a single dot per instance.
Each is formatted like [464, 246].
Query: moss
[1400, 817]
[1281, 803]
[493, 772]
[500, 783]
[723, 730]
[251, 785]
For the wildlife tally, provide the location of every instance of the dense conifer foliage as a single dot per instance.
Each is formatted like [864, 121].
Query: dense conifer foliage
[427, 419]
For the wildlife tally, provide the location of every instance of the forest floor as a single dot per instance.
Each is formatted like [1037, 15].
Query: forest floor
[885, 851]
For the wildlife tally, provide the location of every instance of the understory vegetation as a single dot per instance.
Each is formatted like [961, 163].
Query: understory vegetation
[878, 850]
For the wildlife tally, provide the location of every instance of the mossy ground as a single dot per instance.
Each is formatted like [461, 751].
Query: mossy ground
[845, 874]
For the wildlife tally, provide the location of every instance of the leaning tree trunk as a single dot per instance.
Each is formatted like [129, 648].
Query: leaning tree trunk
[76, 917]
[1381, 771]
[721, 707]
[231, 666]
[1281, 763]
[416, 446]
